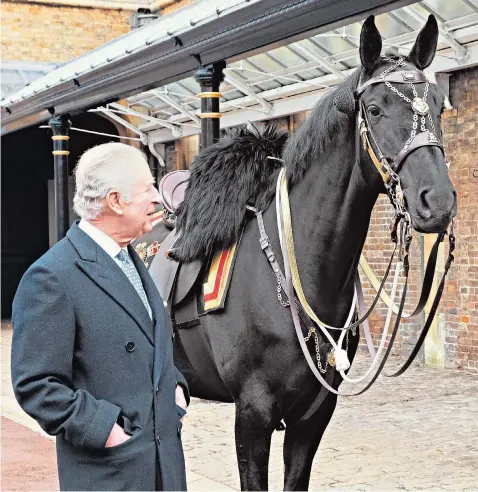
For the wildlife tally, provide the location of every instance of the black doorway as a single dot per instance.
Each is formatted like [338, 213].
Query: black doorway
[27, 166]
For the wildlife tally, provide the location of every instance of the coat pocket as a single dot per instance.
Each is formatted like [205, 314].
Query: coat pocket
[124, 446]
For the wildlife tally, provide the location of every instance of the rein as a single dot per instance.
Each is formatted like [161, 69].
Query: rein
[299, 307]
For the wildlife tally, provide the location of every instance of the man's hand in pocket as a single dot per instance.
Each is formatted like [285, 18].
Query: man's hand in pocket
[181, 399]
[117, 436]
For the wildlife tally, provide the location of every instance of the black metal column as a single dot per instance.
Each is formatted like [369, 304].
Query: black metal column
[210, 79]
[60, 126]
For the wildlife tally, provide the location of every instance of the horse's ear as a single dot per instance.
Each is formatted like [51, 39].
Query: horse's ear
[370, 44]
[425, 46]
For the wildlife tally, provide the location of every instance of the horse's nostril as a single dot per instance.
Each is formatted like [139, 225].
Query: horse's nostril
[423, 207]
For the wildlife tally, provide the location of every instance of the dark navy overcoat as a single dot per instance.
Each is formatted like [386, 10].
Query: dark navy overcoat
[86, 354]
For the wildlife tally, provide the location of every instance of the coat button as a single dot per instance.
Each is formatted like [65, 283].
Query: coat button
[130, 346]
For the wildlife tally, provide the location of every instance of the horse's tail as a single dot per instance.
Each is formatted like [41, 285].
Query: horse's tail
[225, 177]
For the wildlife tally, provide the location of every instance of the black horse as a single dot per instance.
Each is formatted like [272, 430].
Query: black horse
[333, 188]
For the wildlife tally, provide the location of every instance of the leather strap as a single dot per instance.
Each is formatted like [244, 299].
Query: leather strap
[397, 77]
[422, 139]
[285, 208]
[267, 248]
[431, 314]
[428, 278]
[426, 285]
[379, 165]
[305, 351]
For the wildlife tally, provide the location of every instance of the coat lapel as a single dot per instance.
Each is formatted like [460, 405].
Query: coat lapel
[159, 313]
[104, 271]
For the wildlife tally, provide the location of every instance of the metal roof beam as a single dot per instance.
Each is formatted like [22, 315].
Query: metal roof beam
[308, 54]
[404, 39]
[445, 34]
[170, 102]
[119, 120]
[293, 98]
[161, 51]
[462, 22]
[119, 108]
[281, 108]
[232, 80]
[277, 75]
[287, 91]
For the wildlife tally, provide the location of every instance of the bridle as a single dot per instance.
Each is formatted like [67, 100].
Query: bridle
[388, 168]
[350, 102]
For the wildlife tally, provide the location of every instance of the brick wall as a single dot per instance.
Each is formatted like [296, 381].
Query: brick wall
[167, 7]
[461, 298]
[44, 33]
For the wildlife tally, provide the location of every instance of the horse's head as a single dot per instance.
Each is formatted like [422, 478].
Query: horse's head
[400, 124]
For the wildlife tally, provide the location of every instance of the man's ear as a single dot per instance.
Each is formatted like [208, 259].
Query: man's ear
[114, 202]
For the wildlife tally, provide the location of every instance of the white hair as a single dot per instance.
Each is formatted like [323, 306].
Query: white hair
[100, 170]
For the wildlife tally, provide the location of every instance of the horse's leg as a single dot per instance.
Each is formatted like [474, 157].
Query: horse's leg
[256, 418]
[300, 445]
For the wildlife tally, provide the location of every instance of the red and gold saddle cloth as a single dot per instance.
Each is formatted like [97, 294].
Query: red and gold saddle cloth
[218, 279]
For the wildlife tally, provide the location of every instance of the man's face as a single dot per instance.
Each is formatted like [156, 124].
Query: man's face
[137, 218]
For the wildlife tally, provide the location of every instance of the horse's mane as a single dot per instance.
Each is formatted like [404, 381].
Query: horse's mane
[317, 132]
[235, 172]
[225, 177]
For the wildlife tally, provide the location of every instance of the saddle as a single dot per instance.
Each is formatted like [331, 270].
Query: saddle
[171, 189]
[174, 280]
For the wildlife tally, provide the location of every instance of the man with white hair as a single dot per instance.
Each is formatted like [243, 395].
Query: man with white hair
[92, 354]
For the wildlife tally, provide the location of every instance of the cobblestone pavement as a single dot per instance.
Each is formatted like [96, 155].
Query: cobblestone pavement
[415, 432]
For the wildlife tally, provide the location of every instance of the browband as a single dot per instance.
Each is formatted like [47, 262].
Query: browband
[398, 77]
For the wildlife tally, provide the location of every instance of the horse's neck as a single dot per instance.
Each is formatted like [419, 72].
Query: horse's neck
[331, 208]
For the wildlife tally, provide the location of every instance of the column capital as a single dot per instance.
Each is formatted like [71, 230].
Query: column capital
[60, 124]
[210, 76]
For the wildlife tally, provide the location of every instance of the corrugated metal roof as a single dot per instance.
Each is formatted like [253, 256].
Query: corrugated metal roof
[17, 75]
[317, 63]
[260, 86]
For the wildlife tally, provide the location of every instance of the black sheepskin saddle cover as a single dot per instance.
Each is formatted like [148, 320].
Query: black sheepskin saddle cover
[225, 178]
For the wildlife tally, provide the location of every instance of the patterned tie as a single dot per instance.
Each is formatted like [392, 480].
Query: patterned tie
[130, 271]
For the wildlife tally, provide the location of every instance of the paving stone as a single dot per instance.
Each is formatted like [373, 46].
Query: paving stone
[415, 432]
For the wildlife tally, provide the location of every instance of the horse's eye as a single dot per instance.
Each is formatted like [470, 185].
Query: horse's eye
[374, 111]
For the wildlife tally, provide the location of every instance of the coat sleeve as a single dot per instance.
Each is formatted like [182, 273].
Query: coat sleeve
[43, 343]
